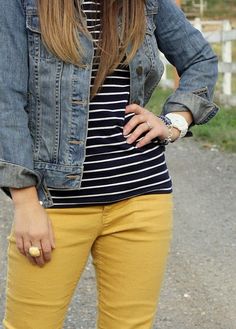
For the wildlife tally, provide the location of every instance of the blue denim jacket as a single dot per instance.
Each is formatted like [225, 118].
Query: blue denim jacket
[44, 102]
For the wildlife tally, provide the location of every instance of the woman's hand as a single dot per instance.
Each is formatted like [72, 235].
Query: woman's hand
[32, 226]
[145, 121]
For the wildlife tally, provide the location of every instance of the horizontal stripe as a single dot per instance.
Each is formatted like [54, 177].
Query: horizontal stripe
[131, 155]
[114, 126]
[100, 199]
[120, 166]
[113, 94]
[123, 192]
[109, 111]
[126, 174]
[109, 136]
[114, 102]
[109, 118]
[113, 169]
[113, 86]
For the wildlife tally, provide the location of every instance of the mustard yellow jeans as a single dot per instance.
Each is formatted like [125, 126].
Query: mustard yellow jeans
[129, 241]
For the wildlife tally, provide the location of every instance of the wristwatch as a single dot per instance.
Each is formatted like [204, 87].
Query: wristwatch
[179, 122]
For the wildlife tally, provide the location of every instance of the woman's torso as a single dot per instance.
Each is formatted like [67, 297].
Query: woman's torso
[58, 107]
[113, 170]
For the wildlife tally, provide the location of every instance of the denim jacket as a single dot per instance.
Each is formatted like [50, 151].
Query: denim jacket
[44, 102]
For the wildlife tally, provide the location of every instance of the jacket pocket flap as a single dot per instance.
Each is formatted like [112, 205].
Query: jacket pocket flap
[32, 21]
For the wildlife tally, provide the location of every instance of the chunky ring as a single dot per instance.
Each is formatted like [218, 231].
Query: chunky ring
[34, 251]
[149, 125]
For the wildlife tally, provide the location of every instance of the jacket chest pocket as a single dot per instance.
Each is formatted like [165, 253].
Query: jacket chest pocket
[150, 25]
[150, 39]
[37, 48]
[152, 52]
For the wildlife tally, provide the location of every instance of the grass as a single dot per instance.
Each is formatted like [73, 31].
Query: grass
[219, 132]
[158, 100]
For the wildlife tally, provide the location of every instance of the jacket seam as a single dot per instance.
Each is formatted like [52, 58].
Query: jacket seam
[23, 6]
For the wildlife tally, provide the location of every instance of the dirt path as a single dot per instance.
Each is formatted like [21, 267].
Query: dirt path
[199, 290]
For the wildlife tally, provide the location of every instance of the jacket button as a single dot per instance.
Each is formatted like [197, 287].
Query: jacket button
[137, 102]
[139, 70]
[74, 142]
[72, 176]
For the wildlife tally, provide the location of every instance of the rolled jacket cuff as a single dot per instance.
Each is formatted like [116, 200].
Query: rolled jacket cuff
[202, 110]
[16, 176]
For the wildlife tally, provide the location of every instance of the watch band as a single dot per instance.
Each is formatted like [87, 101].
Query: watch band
[168, 139]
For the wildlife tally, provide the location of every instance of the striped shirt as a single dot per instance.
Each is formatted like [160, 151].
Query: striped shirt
[113, 169]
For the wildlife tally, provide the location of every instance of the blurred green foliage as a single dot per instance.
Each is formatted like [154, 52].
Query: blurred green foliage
[220, 9]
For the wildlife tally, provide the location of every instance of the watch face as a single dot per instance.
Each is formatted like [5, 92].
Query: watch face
[178, 122]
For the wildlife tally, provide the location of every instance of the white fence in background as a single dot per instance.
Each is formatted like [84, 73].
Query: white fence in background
[224, 35]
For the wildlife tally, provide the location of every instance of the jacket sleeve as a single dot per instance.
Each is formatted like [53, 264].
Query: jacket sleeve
[197, 65]
[16, 156]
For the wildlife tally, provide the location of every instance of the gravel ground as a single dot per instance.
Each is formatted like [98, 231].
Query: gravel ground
[199, 290]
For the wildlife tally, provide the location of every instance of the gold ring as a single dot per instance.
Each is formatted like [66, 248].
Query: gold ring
[34, 251]
[149, 125]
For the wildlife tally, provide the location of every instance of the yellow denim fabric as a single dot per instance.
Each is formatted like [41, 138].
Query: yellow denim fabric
[129, 241]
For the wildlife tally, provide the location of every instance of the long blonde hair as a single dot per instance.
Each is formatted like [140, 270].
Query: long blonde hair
[60, 21]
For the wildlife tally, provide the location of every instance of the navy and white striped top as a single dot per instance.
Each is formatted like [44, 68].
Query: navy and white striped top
[113, 169]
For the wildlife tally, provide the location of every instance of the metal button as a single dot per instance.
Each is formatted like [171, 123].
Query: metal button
[75, 142]
[72, 176]
[139, 70]
[78, 102]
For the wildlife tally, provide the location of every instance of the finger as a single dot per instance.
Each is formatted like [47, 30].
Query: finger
[133, 122]
[20, 245]
[147, 138]
[39, 259]
[51, 234]
[142, 128]
[135, 108]
[46, 249]
[27, 245]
